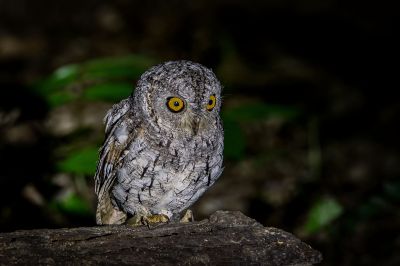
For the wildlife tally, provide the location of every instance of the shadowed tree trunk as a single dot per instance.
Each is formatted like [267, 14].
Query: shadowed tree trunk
[227, 238]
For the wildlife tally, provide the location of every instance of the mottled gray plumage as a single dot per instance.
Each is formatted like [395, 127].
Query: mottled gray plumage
[156, 160]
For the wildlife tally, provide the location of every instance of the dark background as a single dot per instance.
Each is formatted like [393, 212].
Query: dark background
[310, 111]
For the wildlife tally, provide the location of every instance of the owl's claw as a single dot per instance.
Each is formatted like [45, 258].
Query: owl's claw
[187, 217]
[155, 219]
[150, 221]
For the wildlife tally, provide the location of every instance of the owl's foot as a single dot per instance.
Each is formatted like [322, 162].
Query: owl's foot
[148, 220]
[187, 217]
[155, 219]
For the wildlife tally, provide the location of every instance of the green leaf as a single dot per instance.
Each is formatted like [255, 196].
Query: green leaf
[321, 214]
[130, 66]
[112, 92]
[80, 162]
[60, 78]
[258, 111]
[235, 142]
[57, 88]
[60, 97]
[74, 204]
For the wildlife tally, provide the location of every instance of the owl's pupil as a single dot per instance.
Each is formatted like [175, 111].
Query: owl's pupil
[176, 103]
[210, 102]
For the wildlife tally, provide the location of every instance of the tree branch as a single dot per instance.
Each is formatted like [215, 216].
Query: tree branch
[228, 238]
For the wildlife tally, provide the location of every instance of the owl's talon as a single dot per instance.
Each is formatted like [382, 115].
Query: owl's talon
[148, 220]
[187, 217]
[155, 220]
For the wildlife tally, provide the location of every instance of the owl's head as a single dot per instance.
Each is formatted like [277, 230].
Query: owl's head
[179, 96]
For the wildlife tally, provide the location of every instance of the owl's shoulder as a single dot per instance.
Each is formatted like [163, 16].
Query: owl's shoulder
[117, 112]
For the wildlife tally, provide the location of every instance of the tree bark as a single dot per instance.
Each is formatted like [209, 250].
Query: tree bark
[226, 238]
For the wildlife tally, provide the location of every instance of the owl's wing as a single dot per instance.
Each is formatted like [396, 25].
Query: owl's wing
[112, 152]
[118, 137]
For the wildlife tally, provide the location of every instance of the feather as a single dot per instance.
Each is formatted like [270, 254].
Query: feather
[111, 154]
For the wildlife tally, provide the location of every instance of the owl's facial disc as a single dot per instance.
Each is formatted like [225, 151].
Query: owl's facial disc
[186, 110]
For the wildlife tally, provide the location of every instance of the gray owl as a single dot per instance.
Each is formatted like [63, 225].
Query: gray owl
[163, 147]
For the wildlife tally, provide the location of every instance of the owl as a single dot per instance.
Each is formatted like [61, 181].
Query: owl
[163, 147]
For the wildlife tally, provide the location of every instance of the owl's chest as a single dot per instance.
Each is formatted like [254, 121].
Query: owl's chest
[167, 161]
[169, 176]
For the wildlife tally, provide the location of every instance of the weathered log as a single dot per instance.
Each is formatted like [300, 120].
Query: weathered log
[226, 238]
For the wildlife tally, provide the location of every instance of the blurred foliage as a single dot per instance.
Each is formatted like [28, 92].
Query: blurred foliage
[98, 79]
[260, 111]
[81, 161]
[111, 92]
[322, 213]
[392, 190]
[235, 142]
[72, 204]
[236, 118]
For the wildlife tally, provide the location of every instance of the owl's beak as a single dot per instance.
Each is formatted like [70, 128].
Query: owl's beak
[195, 125]
[191, 122]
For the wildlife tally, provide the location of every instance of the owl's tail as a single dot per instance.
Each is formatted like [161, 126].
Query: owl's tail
[106, 213]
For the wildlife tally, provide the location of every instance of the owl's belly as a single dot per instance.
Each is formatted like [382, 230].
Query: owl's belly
[143, 185]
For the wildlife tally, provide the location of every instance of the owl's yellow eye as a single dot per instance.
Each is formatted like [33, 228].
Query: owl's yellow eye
[175, 104]
[212, 101]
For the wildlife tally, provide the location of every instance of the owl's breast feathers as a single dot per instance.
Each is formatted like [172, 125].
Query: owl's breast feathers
[162, 174]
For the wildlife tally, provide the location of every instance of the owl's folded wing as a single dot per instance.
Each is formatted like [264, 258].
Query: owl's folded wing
[112, 152]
